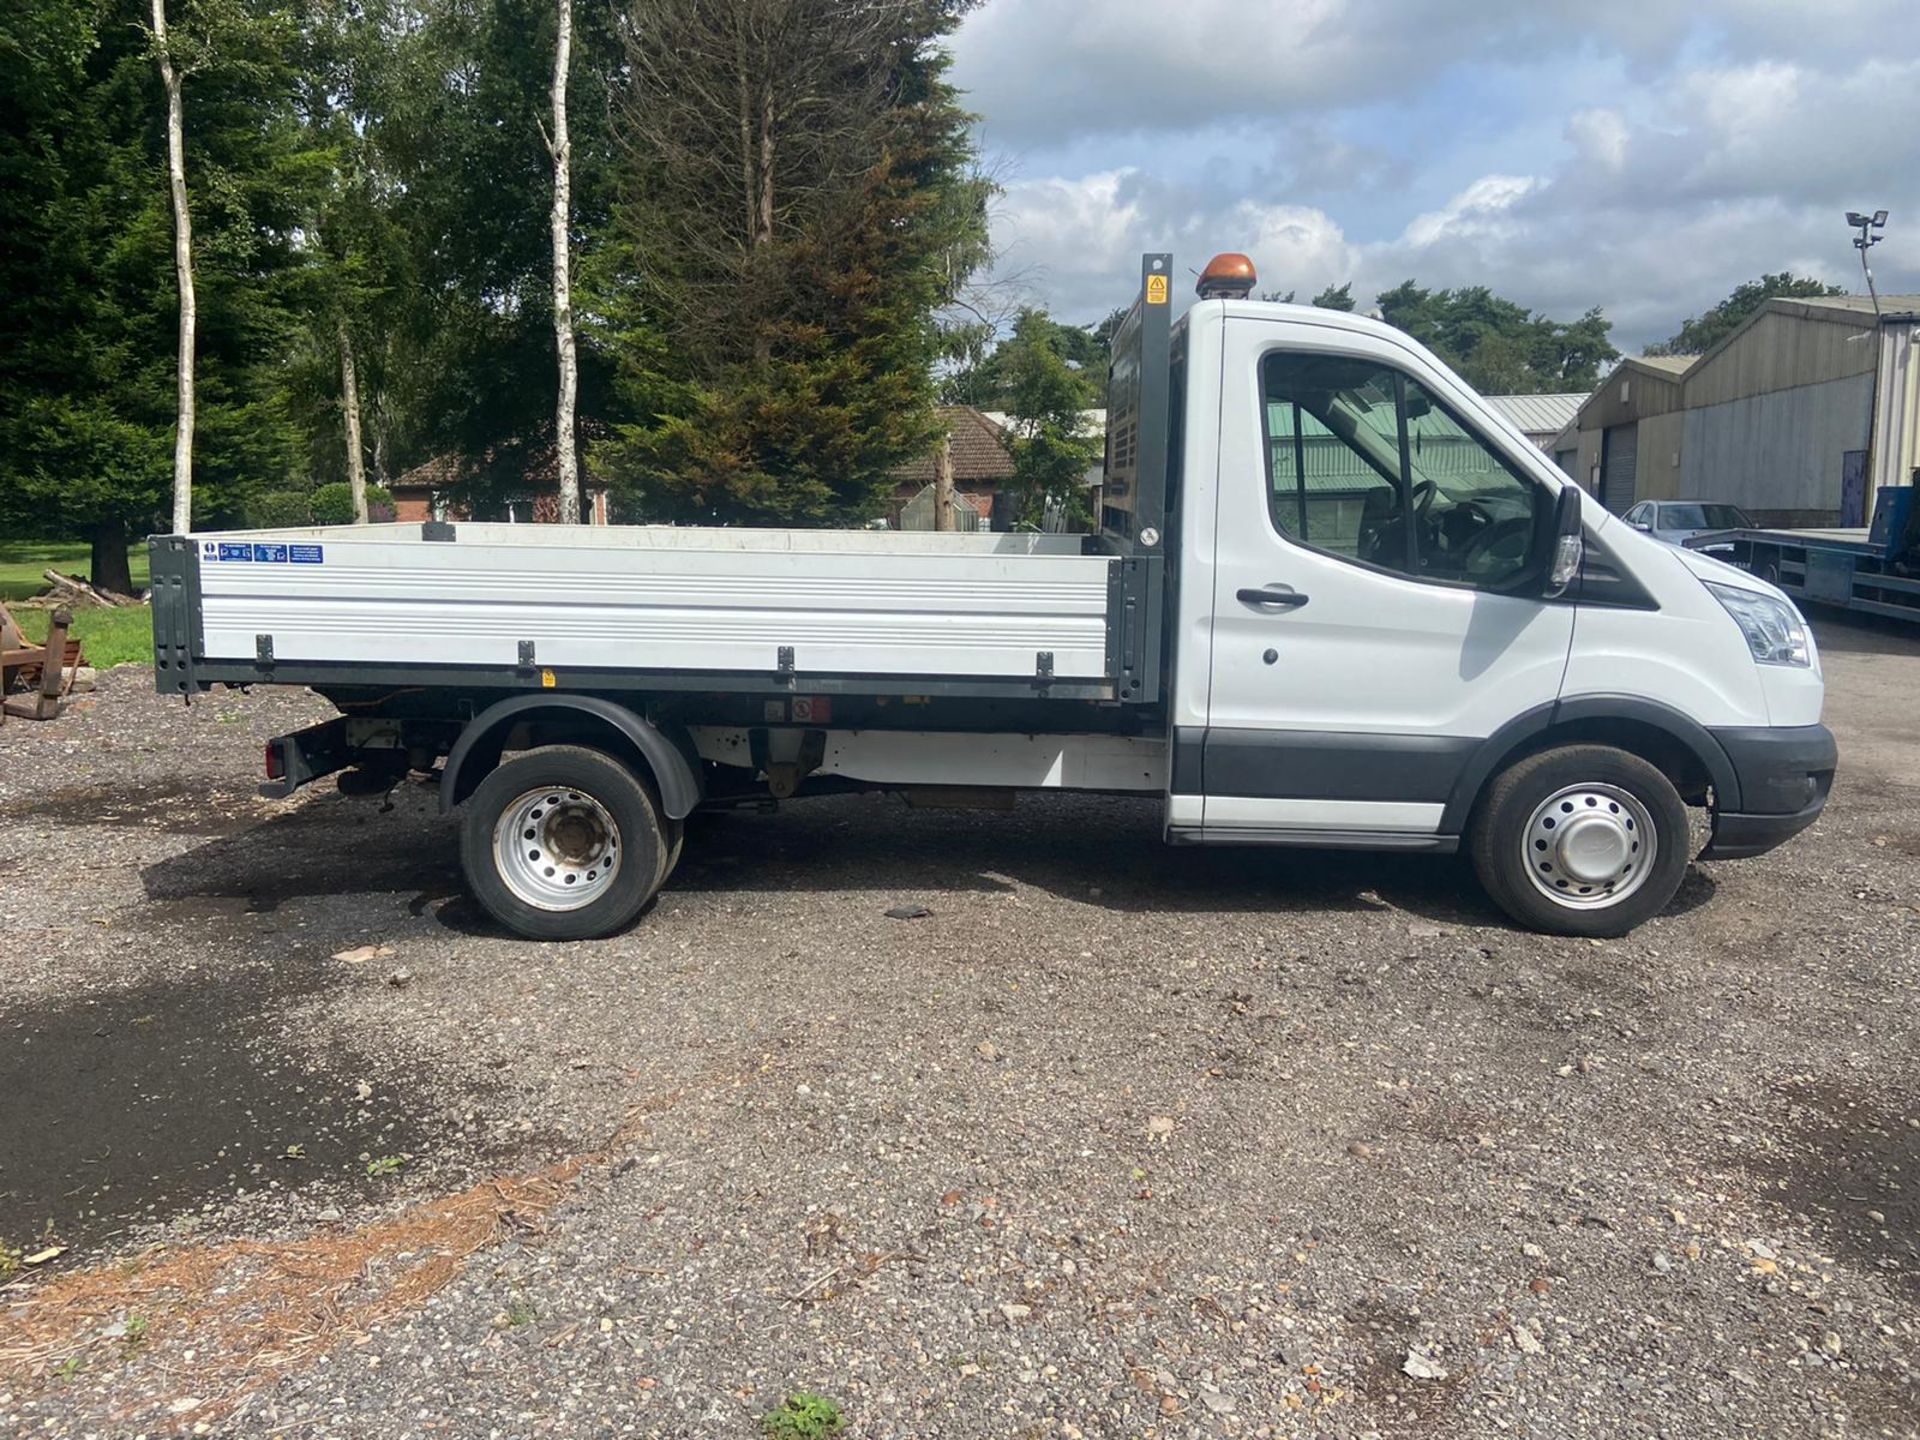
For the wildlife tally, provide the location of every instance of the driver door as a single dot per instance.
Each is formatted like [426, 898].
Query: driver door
[1376, 610]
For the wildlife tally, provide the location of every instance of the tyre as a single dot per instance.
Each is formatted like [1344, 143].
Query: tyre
[563, 843]
[1583, 840]
[675, 834]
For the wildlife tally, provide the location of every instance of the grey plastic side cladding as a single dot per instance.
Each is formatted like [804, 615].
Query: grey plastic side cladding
[675, 768]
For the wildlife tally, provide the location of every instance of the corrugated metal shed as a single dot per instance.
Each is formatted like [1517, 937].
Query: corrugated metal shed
[1799, 414]
[1540, 416]
[1783, 348]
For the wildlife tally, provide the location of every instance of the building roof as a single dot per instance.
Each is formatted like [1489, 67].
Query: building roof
[540, 468]
[979, 452]
[1861, 305]
[1538, 414]
[1672, 364]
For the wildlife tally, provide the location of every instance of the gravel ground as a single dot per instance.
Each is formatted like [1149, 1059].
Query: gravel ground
[1118, 1140]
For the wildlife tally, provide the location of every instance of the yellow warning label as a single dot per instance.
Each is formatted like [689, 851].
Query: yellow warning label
[1156, 289]
[547, 682]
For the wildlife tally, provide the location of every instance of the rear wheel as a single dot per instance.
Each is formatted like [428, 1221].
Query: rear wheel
[1583, 840]
[563, 843]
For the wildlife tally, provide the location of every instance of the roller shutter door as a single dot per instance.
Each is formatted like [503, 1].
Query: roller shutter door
[1619, 454]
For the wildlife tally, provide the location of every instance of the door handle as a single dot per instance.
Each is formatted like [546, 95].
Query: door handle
[1269, 596]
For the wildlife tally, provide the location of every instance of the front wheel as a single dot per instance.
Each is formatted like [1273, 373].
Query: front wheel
[563, 843]
[1582, 840]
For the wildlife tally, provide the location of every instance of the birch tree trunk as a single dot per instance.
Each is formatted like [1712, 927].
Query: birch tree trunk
[183, 270]
[350, 405]
[943, 516]
[561, 146]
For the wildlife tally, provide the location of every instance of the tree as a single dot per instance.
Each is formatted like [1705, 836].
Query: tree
[89, 329]
[566, 450]
[182, 268]
[1333, 298]
[352, 259]
[986, 380]
[456, 109]
[1701, 333]
[1497, 346]
[798, 204]
[1046, 394]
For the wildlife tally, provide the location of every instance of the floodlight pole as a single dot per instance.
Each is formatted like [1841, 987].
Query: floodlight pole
[1868, 224]
[1864, 241]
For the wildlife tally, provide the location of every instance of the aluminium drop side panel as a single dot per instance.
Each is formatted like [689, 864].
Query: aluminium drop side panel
[683, 601]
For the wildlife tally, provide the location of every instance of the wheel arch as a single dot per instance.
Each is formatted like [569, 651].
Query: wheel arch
[1679, 747]
[670, 760]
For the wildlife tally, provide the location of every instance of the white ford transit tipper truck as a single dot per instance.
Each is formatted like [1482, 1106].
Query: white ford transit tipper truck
[1335, 600]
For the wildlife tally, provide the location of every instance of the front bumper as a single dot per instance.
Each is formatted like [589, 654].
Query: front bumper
[1784, 773]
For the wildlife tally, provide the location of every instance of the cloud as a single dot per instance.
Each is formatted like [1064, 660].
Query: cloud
[1046, 71]
[1357, 140]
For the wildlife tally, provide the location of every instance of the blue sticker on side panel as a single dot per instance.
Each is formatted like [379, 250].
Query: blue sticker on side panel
[235, 552]
[270, 554]
[307, 554]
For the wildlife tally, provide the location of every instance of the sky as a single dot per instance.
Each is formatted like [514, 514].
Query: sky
[1644, 156]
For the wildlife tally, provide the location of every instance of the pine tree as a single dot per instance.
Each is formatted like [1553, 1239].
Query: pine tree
[1498, 346]
[1702, 332]
[798, 204]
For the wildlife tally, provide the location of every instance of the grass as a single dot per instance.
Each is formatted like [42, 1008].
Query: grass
[107, 637]
[21, 562]
[804, 1416]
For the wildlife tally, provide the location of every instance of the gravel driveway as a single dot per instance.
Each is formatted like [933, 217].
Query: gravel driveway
[1117, 1141]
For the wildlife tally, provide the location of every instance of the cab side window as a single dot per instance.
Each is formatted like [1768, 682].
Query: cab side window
[1363, 464]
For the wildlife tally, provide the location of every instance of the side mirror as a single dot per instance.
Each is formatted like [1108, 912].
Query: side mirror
[1641, 524]
[1564, 559]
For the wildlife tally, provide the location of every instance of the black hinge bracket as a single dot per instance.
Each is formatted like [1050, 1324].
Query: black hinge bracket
[786, 660]
[526, 654]
[263, 649]
[1043, 665]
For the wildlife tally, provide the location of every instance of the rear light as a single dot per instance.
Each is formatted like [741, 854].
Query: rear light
[276, 767]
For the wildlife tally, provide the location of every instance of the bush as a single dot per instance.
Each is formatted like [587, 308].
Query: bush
[333, 504]
[277, 510]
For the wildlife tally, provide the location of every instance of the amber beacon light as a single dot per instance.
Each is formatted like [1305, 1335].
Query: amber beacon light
[1227, 277]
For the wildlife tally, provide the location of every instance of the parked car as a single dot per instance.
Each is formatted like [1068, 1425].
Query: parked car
[1675, 520]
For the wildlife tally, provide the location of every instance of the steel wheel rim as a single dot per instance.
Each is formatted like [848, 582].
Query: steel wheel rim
[557, 848]
[1588, 847]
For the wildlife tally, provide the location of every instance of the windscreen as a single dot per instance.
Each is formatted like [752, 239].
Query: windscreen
[1702, 517]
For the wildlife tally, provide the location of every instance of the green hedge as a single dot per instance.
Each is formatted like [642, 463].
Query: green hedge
[333, 504]
[278, 510]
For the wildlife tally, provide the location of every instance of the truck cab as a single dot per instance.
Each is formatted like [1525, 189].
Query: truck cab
[1379, 640]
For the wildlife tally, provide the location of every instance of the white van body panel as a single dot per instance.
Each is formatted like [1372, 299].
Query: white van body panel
[1373, 658]
[1687, 655]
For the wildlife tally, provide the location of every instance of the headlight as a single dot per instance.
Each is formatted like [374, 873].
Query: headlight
[1775, 632]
